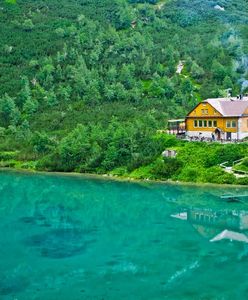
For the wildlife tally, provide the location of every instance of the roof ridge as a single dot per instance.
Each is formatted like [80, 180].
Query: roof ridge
[229, 107]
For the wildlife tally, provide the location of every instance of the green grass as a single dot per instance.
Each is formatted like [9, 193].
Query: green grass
[144, 172]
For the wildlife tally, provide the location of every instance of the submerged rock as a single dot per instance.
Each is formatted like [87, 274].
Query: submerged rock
[61, 243]
[12, 284]
[46, 215]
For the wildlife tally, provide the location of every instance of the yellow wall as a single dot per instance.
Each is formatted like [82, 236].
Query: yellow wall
[210, 114]
[197, 111]
[221, 123]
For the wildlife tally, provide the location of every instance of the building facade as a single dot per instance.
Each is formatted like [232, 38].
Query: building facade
[220, 119]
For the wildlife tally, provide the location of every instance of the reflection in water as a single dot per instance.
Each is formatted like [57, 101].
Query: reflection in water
[217, 225]
[81, 238]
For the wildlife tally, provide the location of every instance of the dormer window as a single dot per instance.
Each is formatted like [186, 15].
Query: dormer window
[204, 111]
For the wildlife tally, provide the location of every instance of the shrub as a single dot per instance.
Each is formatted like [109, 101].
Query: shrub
[166, 168]
[31, 165]
[245, 162]
[242, 180]
[49, 163]
[213, 174]
[189, 174]
[7, 155]
[226, 179]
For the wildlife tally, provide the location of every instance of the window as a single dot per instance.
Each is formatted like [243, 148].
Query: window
[195, 123]
[228, 124]
[231, 124]
[214, 123]
[210, 123]
[205, 123]
[200, 123]
[204, 111]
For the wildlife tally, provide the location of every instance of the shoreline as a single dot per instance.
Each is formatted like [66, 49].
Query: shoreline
[121, 179]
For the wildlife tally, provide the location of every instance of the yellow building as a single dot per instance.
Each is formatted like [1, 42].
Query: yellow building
[221, 118]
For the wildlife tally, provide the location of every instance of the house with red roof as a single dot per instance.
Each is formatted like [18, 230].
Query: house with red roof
[219, 119]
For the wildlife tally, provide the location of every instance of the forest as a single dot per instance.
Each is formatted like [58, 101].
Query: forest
[86, 84]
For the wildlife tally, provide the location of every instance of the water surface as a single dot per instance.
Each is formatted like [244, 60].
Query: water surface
[84, 238]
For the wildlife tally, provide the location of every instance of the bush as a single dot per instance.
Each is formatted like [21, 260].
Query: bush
[242, 181]
[166, 168]
[122, 171]
[49, 163]
[245, 162]
[190, 174]
[212, 174]
[8, 164]
[226, 179]
[230, 153]
[7, 155]
[31, 165]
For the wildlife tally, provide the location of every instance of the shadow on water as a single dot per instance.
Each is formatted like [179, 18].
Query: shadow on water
[61, 243]
[67, 237]
[13, 282]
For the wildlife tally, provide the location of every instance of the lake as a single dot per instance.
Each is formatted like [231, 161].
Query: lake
[65, 237]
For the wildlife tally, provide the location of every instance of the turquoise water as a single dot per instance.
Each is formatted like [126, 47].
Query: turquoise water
[84, 238]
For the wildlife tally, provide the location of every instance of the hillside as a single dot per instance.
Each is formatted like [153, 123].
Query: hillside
[85, 84]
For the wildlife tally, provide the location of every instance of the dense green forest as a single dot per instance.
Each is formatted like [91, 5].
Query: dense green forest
[85, 84]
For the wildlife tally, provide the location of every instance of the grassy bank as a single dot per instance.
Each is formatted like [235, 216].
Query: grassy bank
[195, 162]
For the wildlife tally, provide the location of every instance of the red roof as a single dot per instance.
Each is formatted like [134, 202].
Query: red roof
[229, 107]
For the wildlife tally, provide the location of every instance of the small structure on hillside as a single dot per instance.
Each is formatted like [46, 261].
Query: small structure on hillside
[169, 153]
[134, 24]
[219, 119]
[180, 67]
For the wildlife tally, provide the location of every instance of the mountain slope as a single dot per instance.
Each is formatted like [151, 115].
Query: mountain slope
[86, 83]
